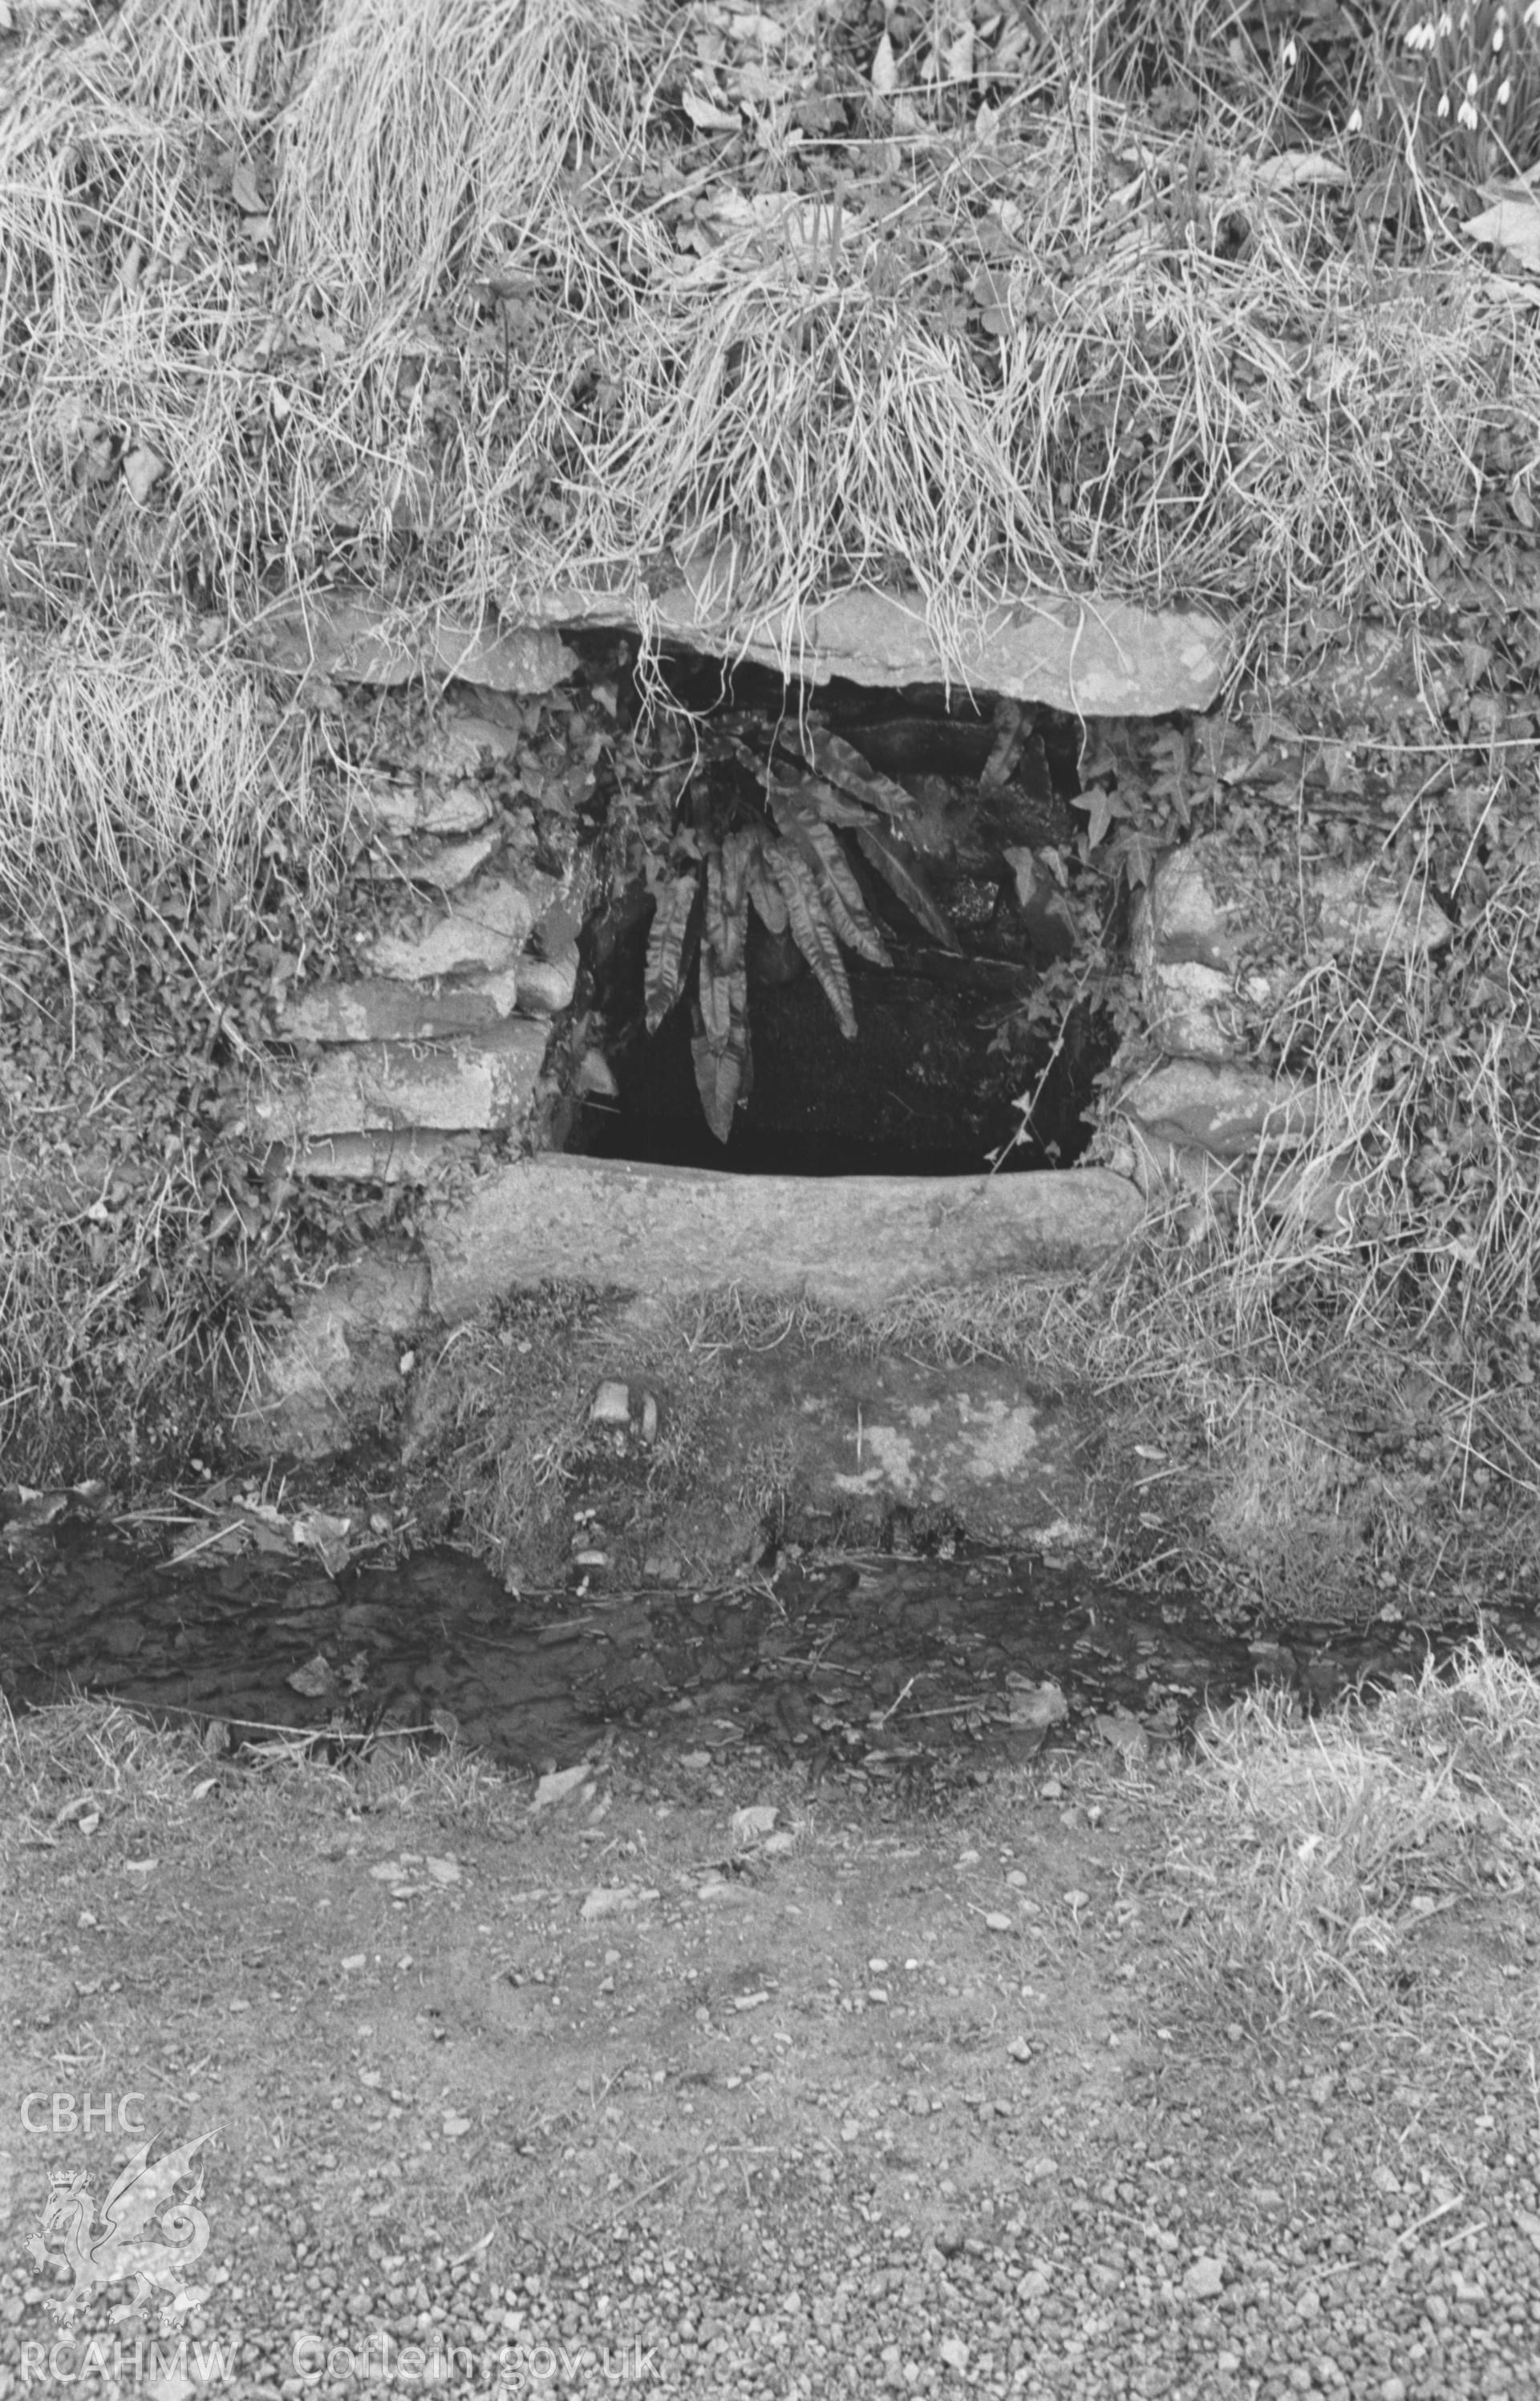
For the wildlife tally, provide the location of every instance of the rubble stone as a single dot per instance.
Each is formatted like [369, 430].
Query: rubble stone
[1223, 1108]
[354, 638]
[1363, 909]
[482, 1081]
[405, 1155]
[386, 807]
[485, 930]
[376, 1009]
[338, 1353]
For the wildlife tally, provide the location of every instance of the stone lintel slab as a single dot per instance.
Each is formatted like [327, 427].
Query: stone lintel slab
[482, 1082]
[1088, 656]
[855, 1242]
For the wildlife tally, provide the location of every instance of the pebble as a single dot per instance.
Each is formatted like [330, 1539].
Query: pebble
[1016, 2295]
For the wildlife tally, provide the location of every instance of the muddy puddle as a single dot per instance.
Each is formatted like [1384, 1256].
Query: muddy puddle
[865, 1665]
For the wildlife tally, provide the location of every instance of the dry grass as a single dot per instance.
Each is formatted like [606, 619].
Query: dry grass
[91, 1770]
[91, 1760]
[1312, 1855]
[155, 807]
[501, 1410]
[273, 366]
[141, 780]
[116, 1333]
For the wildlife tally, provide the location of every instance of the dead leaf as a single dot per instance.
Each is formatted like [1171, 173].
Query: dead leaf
[142, 471]
[1291, 167]
[611, 1900]
[1512, 226]
[709, 116]
[1039, 1705]
[1125, 1733]
[328, 1537]
[268, 1531]
[316, 1679]
[559, 1783]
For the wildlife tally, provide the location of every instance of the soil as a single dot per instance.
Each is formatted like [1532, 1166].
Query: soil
[908, 1674]
[445, 2047]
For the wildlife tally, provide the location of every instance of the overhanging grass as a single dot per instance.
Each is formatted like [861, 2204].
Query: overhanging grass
[497, 372]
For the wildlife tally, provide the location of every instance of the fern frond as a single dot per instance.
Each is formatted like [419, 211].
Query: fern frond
[906, 880]
[676, 901]
[837, 885]
[811, 932]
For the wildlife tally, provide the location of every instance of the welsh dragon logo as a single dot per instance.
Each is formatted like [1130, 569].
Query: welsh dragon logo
[120, 2249]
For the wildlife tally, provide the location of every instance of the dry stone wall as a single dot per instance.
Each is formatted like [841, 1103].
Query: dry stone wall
[1195, 1107]
[438, 1038]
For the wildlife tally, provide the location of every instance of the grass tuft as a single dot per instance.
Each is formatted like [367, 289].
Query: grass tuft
[1313, 1854]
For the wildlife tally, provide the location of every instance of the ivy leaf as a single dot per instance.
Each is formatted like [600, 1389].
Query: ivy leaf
[1135, 852]
[1103, 806]
[1173, 754]
[676, 902]
[908, 883]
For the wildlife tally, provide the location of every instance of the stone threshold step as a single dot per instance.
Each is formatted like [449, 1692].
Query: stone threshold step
[854, 1241]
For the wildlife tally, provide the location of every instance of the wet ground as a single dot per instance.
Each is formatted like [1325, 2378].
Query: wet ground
[869, 1666]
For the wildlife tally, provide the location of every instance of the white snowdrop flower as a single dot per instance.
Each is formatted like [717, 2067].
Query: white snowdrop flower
[1290, 53]
[1467, 116]
[1505, 93]
[1356, 122]
[1496, 39]
[1472, 85]
[1445, 26]
[1532, 16]
[1443, 105]
[1423, 37]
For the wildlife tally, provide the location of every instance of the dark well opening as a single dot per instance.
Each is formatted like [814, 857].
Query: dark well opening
[950, 1037]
